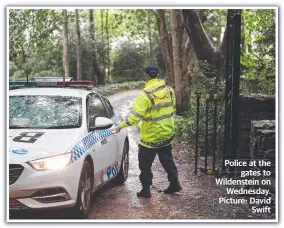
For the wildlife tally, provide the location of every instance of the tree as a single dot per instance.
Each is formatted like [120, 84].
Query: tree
[203, 47]
[258, 53]
[36, 44]
[65, 45]
[102, 41]
[79, 71]
[128, 61]
[180, 77]
[100, 76]
[165, 46]
[138, 25]
[29, 33]
[108, 46]
[149, 22]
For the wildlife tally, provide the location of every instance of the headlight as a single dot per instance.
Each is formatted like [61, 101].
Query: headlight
[51, 163]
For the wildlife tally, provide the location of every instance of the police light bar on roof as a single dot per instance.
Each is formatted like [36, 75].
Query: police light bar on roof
[21, 84]
[52, 79]
[46, 83]
[83, 83]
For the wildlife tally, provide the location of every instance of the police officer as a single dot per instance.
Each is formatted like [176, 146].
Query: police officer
[154, 107]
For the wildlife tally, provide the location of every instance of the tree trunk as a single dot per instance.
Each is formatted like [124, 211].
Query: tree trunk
[102, 42]
[202, 45]
[98, 76]
[181, 80]
[192, 61]
[108, 46]
[65, 45]
[166, 46]
[150, 35]
[79, 69]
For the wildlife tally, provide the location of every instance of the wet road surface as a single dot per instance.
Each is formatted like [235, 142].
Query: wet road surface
[197, 200]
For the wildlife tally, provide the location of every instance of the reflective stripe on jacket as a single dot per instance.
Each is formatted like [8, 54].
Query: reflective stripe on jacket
[154, 107]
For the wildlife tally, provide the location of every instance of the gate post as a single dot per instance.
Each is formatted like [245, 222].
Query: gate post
[228, 73]
[197, 130]
[214, 131]
[231, 122]
[207, 97]
[236, 86]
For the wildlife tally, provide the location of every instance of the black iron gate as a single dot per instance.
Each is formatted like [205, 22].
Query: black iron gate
[232, 91]
[231, 100]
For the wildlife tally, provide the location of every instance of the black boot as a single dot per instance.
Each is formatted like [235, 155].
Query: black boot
[145, 192]
[173, 187]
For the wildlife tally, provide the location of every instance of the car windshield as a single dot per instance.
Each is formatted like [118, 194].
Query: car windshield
[44, 112]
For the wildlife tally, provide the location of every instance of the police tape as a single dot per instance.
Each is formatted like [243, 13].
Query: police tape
[90, 140]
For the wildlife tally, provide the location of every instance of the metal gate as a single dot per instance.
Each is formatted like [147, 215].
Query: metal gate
[231, 101]
[232, 90]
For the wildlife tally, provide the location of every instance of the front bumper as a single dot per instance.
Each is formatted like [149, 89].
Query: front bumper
[45, 189]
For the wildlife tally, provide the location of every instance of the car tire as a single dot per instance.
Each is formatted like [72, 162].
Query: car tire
[124, 167]
[84, 198]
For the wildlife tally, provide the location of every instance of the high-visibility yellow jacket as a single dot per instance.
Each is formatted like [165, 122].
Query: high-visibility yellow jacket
[154, 107]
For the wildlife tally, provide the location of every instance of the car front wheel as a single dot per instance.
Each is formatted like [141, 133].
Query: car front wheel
[124, 167]
[84, 198]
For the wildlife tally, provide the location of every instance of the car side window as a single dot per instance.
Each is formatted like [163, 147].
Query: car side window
[109, 107]
[96, 109]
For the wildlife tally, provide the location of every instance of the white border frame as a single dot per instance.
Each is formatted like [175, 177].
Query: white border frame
[168, 6]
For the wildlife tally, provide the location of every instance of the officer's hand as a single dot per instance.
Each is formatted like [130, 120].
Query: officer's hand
[117, 129]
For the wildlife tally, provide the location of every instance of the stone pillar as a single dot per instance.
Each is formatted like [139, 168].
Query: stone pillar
[255, 107]
[262, 141]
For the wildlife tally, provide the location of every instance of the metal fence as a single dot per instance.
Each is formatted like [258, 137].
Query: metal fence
[229, 148]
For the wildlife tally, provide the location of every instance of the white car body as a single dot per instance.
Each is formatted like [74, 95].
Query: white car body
[33, 188]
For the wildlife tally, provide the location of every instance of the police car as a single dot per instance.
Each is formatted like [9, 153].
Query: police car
[62, 147]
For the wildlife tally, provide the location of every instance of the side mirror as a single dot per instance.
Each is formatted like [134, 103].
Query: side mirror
[101, 123]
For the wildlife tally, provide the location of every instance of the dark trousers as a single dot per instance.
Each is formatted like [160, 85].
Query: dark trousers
[146, 157]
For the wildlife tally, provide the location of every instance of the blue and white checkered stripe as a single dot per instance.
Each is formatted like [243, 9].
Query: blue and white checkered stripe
[89, 140]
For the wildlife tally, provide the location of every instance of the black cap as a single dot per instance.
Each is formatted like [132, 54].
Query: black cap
[152, 70]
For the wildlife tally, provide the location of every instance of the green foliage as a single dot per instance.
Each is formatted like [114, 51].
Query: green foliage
[185, 126]
[202, 85]
[109, 89]
[258, 52]
[129, 62]
[46, 73]
[31, 27]
[257, 67]
[214, 23]
[133, 21]
[18, 74]
[35, 40]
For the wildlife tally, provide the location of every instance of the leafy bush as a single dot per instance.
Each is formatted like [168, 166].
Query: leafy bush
[18, 74]
[118, 87]
[186, 125]
[46, 73]
[256, 85]
[129, 62]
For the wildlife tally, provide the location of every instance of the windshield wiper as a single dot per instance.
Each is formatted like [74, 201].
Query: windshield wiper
[63, 127]
[53, 127]
[16, 127]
